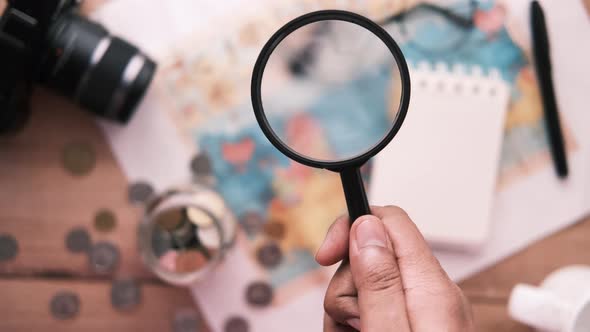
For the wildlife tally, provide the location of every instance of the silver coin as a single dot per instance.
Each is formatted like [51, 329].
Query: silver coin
[184, 234]
[186, 320]
[104, 257]
[236, 324]
[64, 305]
[140, 192]
[78, 240]
[201, 165]
[269, 255]
[8, 247]
[125, 294]
[161, 242]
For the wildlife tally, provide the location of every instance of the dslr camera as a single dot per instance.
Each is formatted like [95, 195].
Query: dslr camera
[48, 42]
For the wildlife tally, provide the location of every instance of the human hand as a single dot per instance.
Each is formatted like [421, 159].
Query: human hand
[392, 281]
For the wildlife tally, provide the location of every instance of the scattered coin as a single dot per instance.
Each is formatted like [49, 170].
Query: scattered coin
[251, 222]
[8, 247]
[140, 192]
[170, 219]
[105, 220]
[78, 158]
[186, 320]
[78, 240]
[269, 255]
[236, 324]
[190, 261]
[259, 293]
[125, 294]
[274, 229]
[104, 257]
[64, 305]
[201, 165]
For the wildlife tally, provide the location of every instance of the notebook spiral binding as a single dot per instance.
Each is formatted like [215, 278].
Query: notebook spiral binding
[457, 79]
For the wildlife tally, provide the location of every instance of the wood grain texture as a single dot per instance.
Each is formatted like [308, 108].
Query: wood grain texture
[40, 203]
[531, 265]
[25, 307]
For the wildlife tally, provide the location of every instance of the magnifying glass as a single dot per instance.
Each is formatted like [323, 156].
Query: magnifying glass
[329, 90]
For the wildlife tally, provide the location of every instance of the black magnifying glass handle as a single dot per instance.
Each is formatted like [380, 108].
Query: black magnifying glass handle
[354, 192]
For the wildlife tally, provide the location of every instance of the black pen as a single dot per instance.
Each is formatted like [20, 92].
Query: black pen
[542, 62]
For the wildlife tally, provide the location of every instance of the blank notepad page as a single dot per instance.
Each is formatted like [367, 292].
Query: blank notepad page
[442, 165]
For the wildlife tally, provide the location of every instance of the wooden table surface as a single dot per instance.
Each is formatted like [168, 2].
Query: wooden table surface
[40, 202]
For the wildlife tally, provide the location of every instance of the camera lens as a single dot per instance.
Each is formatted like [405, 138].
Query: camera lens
[102, 73]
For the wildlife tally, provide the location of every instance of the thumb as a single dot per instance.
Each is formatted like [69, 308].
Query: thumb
[377, 277]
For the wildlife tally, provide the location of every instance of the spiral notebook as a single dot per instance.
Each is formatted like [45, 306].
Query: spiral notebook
[442, 166]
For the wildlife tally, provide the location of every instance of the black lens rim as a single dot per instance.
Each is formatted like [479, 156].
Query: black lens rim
[282, 33]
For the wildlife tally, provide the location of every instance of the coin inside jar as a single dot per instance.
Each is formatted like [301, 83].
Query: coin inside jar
[189, 261]
[179, 238]
[199, 217]
[211, 201]
[170, 219]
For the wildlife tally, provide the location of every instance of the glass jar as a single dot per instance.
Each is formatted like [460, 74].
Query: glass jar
[185, 232]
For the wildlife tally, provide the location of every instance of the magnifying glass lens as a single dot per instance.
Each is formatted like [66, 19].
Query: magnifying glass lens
[331, 90]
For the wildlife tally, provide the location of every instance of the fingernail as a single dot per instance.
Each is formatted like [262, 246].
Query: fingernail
[354, 323]
[370, 232]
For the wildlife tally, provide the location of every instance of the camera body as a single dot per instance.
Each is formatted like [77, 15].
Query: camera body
[48, 42]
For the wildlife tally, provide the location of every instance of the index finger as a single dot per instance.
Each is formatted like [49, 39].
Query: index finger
[417, 263]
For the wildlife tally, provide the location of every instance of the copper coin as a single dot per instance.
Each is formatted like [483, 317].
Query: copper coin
[105, 220]
[190, 261]
[236, 324]
[259, 293]
[275, 229]
[64, 305]
[78, 158]
[170, 219]
[269, 255]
